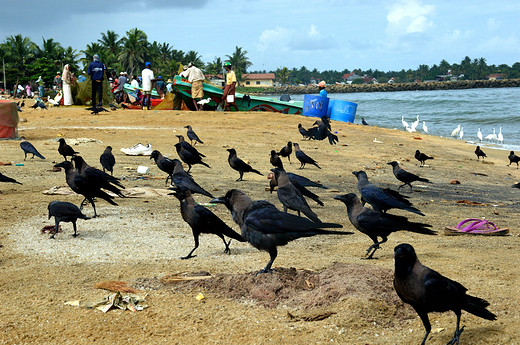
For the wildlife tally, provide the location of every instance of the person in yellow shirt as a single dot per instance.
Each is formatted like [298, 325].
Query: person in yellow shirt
[229, 89]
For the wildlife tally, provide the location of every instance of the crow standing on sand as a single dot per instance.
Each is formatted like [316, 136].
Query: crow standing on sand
[376, 224]
[513, 159]
[306, 134]
[266, 228]
[428, 291]
[275, 160]
[192, 135]
[203, 221]
[273, 182]
[324, 131]
[85, 186]
[382, 199]
[181, 179]
[404, 176]
[108, 160]
[480, 153]
[98, 177]
[286, 151]
[27, 147]
[303, 158]
[63, 211]
[364, 122]
[65, 150]
[188, 154]
[163, 163]
[239, 165]
[290, 197]
[421, 157]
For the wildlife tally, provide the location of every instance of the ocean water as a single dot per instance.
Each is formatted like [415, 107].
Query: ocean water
[443, 110]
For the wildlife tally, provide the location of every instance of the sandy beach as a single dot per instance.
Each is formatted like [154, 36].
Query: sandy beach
[321, 292]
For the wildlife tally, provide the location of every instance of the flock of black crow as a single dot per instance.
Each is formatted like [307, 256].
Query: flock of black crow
[266, 228]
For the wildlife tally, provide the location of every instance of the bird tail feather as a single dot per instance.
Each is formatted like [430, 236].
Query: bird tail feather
[477, 306]
[232, 234]
[257, 172]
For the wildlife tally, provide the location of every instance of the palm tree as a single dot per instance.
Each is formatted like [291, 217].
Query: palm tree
[239, 61]
[283, 74]
[134, 50]
[70, 56]
[18, 51]
[214, 67]
[90, 51]
[195, 58]
[111, 44]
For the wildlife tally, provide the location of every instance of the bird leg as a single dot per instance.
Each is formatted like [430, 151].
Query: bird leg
[240, 178]
[168, 177]
[267, 269]
[189, 168]
[301, 166]
[426, 323]
[56, 227]
[458, 332]
[375, 247]
[75, 229]
[196, 238]
[227, 250]
[94, 206]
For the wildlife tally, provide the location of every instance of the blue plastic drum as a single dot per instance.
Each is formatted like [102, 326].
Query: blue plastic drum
[315, 106]
[343, 111]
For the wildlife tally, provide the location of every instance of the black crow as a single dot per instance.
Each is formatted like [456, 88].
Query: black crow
[290, 197]
[513, 159]
[275, 160]
[286, 151]
[428, 291]
[181, 179]
[63, 211]
[404, 176]
[192, 135]
[376, 224]
[239, 165]
[266, 228]
[273, 182]
[163, 163]
[108, 160]
[480, 153]
[303, 158]
[202, 221]
[65, 150]
[27, 147]
[421, 157]
[382, 200]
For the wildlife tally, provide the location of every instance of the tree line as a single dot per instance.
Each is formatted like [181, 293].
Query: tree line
[25, 61]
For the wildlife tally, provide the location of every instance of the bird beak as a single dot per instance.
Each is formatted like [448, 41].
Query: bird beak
[340, 197]
[59, 165]
[219, 200]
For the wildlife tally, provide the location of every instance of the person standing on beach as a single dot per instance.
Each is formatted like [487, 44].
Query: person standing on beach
[67, 83]
[229, 89]
[321, 87]
[41, 86]
[195, 77]
[148, 81]
[96, 70]
[57, 81]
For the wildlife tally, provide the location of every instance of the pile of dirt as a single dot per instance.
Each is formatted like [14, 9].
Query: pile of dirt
[303, 289]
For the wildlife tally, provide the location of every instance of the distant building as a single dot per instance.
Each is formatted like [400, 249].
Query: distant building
[215, 79]
[495, 76]
[350, 77]
[258, 80]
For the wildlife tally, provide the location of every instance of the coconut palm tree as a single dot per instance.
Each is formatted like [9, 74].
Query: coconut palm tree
[19, 51]
[134, 49]
[239, 61]
[193, 56]
[90, 51]
[111, 44]
[214, 67]
[283, 74]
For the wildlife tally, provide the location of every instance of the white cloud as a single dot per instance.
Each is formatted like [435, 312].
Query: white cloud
[308, 39]
[493, 24]
[409, 17]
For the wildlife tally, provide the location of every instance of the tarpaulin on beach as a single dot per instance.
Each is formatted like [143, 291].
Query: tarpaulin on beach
[8, 119]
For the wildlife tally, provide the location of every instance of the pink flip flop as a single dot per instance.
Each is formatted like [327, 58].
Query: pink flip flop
[474, 226]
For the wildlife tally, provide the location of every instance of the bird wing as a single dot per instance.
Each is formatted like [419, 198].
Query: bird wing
[60, 209]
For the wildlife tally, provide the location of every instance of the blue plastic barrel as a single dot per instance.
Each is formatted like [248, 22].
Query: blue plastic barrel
[315, 106]
[331, 104]
[343, 111]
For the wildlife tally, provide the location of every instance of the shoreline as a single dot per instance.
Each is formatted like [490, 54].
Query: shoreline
[386, 87]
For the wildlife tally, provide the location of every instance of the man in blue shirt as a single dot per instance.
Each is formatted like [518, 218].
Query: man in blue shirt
[321, 87]
[96, 70]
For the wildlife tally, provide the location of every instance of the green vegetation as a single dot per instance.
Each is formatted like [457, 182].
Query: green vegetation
[25, 61]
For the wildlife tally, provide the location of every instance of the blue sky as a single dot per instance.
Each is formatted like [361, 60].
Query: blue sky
[323, 34]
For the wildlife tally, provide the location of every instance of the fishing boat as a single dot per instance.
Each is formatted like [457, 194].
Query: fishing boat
[243, 102]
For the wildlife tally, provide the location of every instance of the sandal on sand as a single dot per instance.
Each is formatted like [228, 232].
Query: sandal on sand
[473, 226]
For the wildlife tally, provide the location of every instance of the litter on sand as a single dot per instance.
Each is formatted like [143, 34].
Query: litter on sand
[117, 300]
